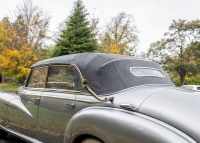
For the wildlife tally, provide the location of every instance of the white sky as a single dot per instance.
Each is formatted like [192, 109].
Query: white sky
[152, 17]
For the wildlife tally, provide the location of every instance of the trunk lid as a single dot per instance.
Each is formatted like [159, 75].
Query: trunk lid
[177, 107]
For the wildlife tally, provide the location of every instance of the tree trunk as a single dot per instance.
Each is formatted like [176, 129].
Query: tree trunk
[2, 78]
[182, 78]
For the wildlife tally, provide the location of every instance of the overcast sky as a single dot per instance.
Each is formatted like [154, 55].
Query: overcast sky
[152, 17]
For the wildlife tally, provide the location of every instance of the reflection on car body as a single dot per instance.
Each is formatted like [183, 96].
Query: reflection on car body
[192, 87]
[100, 98]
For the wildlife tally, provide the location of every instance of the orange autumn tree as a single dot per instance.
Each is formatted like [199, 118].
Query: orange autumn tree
[16, 56]
[4, 41]
[23, 40]
[9, 60]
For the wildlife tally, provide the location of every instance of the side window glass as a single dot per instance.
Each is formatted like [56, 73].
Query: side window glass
[38, 78]
[61, 77]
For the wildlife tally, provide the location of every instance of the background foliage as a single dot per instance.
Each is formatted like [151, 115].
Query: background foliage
[25, 36]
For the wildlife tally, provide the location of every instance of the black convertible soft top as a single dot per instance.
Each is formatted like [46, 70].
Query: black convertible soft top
[108, 73]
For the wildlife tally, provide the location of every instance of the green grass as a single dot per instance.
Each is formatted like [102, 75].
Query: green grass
[9, 86]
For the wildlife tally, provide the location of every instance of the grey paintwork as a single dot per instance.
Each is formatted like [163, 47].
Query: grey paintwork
[106, 121]
[179, 108]
[146, 113]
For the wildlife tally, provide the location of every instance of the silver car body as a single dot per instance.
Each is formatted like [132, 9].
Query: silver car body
[193, 87]
[147, 113]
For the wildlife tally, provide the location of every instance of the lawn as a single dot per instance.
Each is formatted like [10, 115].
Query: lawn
[9, 86]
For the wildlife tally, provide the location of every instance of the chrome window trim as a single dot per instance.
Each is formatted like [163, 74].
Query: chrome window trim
[30, 75]
[59, 97]
[147, 75]
[65, 91]
[64, 65]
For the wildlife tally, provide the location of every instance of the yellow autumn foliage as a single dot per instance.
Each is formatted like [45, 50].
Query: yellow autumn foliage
[4, 39]
[113, 49]
[9, 60]
[14, 61]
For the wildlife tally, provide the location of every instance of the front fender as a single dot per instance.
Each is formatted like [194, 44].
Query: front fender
[5, 98]
[113, 125]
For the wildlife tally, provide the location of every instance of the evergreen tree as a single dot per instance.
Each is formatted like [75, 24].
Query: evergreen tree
[78, 36]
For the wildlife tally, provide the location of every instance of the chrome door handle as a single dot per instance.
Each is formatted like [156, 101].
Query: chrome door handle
[37, 99]
[70, 104]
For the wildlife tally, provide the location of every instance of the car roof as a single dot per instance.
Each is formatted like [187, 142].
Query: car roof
[107, 73]
[85, 59]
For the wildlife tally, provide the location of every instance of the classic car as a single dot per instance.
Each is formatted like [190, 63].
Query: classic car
[100, 98]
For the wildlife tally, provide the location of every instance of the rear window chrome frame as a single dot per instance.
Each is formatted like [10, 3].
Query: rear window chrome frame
[147, 75]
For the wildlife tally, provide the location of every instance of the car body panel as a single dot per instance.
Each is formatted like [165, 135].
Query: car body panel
[177, 107]
[193, 87]
[54, 114]
[23, 118]
[124, 126]
[4, 101]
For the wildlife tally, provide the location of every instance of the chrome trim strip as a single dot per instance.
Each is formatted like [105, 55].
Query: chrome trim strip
[59, 90]
[60, 97]
[137, 87]
[19, 135]
[66, 91]
[122, 59]
[87, 101]
[33, 89]
[129, 107]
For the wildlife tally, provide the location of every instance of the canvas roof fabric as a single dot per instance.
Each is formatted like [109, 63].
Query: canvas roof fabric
[107, 73]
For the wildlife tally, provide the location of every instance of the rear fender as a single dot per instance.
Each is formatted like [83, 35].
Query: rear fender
[113, 125]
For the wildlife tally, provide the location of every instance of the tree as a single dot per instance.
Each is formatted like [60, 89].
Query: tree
[174, 51]
[78, 36]
[22, 41]
[122, 31]
[4, 42]
[113, 49]
[31, 26]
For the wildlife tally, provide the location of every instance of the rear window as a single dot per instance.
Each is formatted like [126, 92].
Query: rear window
[143, 71]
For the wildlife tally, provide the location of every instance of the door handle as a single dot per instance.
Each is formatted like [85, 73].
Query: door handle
[37, 99]
[70, 104]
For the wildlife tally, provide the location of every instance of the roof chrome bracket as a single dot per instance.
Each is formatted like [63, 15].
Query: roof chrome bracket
[84, 84]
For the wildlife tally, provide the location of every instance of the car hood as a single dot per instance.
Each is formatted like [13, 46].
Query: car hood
[175, 106]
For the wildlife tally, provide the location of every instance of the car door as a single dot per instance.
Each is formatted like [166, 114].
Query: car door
[22, 113]
[57, 104]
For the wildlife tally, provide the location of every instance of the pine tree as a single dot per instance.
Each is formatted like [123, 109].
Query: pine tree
[78, 36]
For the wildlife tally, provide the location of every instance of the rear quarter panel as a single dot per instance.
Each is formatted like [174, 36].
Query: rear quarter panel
[113, 125]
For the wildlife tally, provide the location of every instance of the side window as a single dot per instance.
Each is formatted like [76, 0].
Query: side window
[61, 77]
[38, 78]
